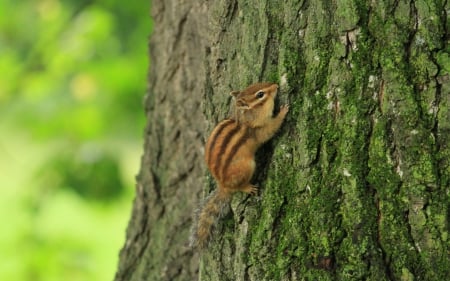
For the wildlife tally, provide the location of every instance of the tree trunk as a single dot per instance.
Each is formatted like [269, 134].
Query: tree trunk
[356, 185]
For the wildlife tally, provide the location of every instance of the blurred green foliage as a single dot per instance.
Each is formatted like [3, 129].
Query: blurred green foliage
[73, 77]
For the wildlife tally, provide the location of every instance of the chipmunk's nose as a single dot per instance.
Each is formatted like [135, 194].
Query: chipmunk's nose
[274, 87]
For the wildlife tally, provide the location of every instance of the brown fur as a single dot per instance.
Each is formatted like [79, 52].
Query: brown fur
[230, 152]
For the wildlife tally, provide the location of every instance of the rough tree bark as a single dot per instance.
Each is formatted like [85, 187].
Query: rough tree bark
[356, 186]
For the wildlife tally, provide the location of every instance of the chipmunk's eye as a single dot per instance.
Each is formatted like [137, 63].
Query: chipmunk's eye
[260, 94]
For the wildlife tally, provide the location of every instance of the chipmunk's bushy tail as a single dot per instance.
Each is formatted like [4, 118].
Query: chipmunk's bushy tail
[213, 208]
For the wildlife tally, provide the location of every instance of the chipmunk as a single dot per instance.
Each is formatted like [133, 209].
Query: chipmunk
[230, 152]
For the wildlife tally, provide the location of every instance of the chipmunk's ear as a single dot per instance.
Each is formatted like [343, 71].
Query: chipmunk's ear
[234, 94]
[240, 104]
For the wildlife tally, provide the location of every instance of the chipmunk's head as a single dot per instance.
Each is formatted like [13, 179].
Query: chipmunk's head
[255, 102]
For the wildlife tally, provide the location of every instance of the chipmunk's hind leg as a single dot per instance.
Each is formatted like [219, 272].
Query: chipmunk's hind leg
[238, 177]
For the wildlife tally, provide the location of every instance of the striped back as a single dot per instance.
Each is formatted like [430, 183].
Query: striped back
[224, 143]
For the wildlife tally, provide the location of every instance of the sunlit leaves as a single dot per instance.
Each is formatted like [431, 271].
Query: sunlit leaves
[73, 76]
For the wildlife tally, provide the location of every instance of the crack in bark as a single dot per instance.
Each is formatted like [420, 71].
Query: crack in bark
[137, 242]
[281, 212]
[413, 30]
[232, 12]
[316, 158]
[384, 257]
[180, 30]
[270, 52]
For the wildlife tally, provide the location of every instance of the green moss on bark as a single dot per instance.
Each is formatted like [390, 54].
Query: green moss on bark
[354, 187]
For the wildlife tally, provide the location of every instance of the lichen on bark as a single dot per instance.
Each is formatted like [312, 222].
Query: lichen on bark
[347, 186]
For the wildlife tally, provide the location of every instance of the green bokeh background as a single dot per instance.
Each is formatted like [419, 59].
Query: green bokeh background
[72, 80]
